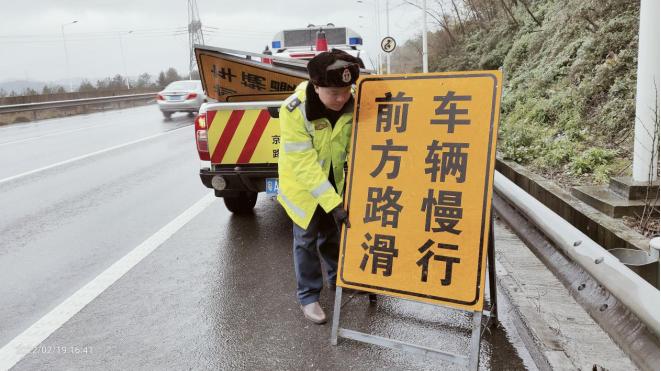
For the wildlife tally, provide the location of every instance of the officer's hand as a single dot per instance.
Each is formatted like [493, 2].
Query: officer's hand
[341, 216]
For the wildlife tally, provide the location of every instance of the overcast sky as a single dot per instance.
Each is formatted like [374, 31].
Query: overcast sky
[32, 44]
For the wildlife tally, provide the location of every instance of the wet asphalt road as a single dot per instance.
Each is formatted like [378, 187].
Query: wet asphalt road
[219, 294]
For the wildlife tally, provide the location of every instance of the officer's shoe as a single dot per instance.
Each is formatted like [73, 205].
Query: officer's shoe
[314, 313]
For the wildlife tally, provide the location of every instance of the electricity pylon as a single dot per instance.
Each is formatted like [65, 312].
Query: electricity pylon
[195, 35]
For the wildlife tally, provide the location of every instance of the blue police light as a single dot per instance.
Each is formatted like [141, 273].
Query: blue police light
[355, 41]
[276, 44]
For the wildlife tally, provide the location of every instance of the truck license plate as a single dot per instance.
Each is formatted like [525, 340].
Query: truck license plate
[272, 186]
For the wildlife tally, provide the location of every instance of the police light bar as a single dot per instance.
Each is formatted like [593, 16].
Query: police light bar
[355, 41]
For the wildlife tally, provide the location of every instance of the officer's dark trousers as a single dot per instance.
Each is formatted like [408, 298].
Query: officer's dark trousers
[321, 234]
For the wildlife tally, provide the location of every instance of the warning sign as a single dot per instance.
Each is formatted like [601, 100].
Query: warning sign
[420, 185]
[229, 78]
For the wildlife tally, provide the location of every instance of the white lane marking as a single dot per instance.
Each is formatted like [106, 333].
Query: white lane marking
[23, 344]
[14, 177]
[55, 134]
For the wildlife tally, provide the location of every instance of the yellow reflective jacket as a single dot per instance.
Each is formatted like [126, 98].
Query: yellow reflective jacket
[307, 151]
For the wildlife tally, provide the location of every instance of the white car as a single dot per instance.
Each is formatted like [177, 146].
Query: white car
[181, 96]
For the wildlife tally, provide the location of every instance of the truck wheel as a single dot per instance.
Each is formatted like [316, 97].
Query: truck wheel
[241, 204]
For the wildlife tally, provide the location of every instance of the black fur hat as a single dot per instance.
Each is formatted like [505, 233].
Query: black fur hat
[335, 68]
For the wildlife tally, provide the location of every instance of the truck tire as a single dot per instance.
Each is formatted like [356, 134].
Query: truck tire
[241, 204]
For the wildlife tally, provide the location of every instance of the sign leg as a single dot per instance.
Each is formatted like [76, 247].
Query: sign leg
[336, 314]
[474, 356]
[491, 264]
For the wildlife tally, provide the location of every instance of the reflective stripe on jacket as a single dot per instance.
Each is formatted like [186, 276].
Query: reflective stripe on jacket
[307, 151]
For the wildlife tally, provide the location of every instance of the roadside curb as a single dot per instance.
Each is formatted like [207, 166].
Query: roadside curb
[552, 325]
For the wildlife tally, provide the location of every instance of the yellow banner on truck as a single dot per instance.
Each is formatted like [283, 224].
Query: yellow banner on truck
[234, 77]
[420, 185]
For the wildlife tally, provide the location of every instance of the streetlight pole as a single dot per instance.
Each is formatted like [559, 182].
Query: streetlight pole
[387, 34]
[425, 54]
[66, 54]
[377, 32]
[645, 155]
[121, 48]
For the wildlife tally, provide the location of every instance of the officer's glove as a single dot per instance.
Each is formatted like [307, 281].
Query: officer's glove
[341, 216]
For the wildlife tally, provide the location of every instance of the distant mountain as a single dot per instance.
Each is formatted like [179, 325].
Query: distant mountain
[19, 86]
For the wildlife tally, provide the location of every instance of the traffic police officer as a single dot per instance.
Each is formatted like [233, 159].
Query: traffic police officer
[315, 128]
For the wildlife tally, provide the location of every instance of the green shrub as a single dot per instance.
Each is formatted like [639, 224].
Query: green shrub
[591, 160]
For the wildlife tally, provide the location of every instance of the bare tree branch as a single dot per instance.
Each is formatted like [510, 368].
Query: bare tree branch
[525, 5]
[441, 22]
[508, 11]
[461, 23]
[476, 13]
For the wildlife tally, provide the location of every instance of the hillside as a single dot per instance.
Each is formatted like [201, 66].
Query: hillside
[570, 65]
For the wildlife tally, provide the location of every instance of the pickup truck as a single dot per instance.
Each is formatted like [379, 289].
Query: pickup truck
[241, 142]
[239, 137]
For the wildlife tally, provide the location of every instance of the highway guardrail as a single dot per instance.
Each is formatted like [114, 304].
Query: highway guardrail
[73, 103]
[624, 304]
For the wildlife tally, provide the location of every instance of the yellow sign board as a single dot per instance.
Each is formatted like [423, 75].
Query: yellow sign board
[420, 185]
[229, 78]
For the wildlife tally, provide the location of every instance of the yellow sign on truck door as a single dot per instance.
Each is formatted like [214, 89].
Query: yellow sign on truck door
[229, 78]
[420, 185]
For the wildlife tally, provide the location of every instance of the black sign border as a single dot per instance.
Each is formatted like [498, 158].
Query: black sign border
[487, 182]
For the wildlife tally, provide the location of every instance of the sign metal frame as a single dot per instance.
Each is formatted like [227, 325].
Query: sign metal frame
[471, 361]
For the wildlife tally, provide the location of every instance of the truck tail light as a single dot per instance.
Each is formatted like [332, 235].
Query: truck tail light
[191, 96]
[201, 138]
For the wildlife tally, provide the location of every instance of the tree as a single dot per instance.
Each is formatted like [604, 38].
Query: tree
[55, 89]
[162, 80]
[172, 75]
[144, 81]
[117, 83]
[102, 84]
[86, 86]
[114, 83]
